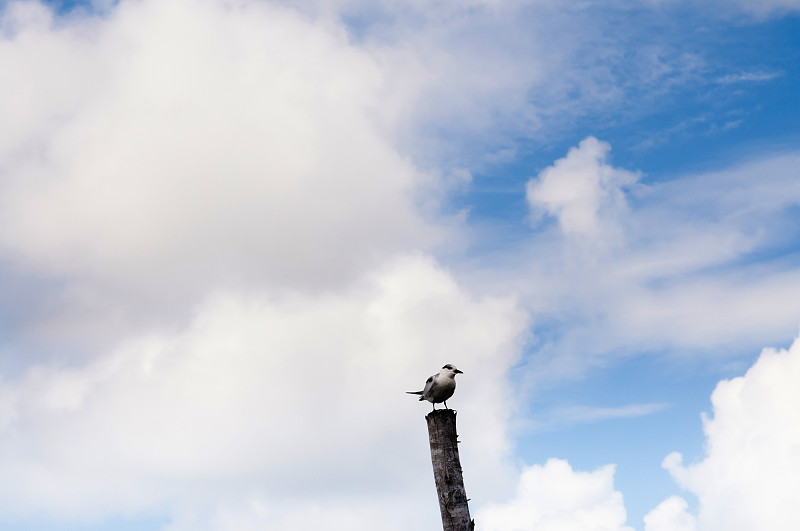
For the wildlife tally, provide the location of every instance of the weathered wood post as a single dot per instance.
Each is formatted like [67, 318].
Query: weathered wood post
[447, 470]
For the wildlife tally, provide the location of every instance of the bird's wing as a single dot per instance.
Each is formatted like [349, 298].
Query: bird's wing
[430, 385]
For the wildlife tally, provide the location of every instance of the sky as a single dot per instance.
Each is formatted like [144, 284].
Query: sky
[233, 233]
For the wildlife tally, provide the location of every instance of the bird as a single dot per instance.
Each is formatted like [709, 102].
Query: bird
[439, 387]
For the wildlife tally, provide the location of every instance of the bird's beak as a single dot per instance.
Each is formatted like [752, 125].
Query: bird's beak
[458, 372]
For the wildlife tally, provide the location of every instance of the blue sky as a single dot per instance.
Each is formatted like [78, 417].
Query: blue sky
[229, 228]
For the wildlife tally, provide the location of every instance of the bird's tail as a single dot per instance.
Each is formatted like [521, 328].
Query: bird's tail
[414, 392]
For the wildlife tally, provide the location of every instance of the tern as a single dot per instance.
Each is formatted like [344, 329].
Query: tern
[439, 387]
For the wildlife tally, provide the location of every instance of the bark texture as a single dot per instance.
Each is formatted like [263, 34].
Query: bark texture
[447, 470]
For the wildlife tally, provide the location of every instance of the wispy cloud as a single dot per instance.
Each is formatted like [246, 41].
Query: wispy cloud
[745, 77]
[584, 414]
[568, 416]
[691, 272]
[762, 9]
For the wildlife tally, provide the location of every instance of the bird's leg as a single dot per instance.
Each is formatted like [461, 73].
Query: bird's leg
[445, 405]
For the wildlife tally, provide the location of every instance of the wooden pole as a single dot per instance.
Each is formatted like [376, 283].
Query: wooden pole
[447, 471]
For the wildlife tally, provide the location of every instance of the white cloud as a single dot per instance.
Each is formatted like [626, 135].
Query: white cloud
[233, 153]
[177, 143]
[166, 148]
[747, 482]
[670, 515]
[581, 190]
[750, 477]
[553, 497]
[293, 400]
[689, 271]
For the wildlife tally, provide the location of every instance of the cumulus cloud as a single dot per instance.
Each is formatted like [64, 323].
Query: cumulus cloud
[297, 400]
[178, 142]
[581, 190]
[747, 482]
[160, 149]
[209, 188]
[554, 497]
[670, 515]
[750, 476]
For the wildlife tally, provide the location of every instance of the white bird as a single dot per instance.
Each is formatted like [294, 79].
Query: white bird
[439, 387]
